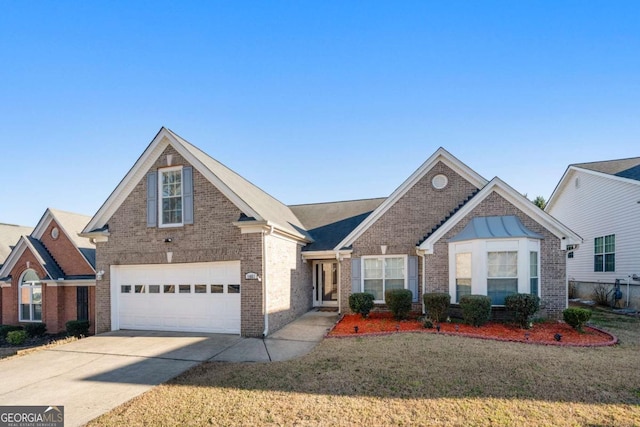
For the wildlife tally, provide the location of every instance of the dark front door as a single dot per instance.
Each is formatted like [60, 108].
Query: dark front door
[82, 302]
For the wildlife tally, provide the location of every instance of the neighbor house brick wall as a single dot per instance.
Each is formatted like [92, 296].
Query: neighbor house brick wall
[553, 289]
[212, 237]
[288, 280]
[65, 253]
[404, 225]
[10, 315]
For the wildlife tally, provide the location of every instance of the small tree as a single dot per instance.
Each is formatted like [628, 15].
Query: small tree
[399, 302]
[540, 202]
[523, 306]
[361, 302]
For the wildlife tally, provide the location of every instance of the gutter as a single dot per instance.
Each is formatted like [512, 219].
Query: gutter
[422, 254]
[265, 299]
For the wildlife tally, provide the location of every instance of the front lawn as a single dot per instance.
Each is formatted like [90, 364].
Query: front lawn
[409, 379]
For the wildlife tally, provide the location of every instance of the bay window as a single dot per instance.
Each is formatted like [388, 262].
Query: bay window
[502, 275]
[30, 297]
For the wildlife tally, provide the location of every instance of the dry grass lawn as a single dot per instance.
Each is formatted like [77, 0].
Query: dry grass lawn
[409, 379]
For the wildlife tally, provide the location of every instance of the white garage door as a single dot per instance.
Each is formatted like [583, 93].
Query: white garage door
[197, 297]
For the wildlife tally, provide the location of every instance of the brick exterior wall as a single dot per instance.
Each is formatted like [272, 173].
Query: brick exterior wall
[212, 237]
[553, 289]
[59, 303]
[288, 280]
[407, 222]
[64, 252]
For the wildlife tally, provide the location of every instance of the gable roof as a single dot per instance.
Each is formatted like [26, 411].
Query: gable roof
[251, 200]
[623, 170]
[329, 223]
[567, 236]
[9, 236]
[441, 155]
[70, 224]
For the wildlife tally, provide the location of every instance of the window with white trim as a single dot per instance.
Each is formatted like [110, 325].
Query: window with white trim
[170, 196]
[502, 275]
[30, 297]
[380, 274]
[604, 258]
[463, 275]
[494, 267]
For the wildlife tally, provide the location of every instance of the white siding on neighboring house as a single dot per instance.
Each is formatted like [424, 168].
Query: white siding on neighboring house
[600, 205]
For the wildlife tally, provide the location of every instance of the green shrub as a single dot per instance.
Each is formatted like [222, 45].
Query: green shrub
[5, 329]
[576, 317]
[361, 303]
[35, 329]
[399, 302]
[437, 304]
[78, 328]
[16, 337]
[523, 307]
[476, 309]
[427, 323]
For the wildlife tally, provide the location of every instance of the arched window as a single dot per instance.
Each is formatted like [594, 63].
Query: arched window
[30, 297]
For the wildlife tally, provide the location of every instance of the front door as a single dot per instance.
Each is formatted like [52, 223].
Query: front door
[325, 283]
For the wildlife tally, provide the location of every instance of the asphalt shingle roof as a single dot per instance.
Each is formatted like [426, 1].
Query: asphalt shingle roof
[624, 168]
[9, 236]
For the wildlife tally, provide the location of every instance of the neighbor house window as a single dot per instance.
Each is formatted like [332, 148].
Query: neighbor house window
[170, 197]
[383, 274]
[533, 272]
[30, 297]
[463, 275]
[605, 253]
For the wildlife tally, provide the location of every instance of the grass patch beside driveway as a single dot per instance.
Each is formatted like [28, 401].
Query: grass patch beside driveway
[409, 379]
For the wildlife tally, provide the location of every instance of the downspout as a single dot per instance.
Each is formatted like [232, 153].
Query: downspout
[339, 282]
[421, 254]
[265, 300]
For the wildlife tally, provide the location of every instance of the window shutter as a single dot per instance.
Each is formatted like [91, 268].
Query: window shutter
[355, 275]
[187, 195]
[413, 277]
[152, 199]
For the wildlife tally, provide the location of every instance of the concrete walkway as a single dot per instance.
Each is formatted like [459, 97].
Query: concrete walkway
[92, 376]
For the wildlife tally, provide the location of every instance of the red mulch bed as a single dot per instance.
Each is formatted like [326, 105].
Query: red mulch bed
[541, 333]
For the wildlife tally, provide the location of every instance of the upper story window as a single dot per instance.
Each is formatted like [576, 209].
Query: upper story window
[380, 274]
[170, 196]
[604, 258]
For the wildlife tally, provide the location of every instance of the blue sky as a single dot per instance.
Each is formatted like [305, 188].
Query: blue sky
[311, 101]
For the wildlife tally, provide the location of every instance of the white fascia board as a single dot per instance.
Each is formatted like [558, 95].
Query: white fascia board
[249, 227]
[558, 189]
[42, 224]
[567, 236]
[330, 254]
[13, 257]
[63, 283]
[440, 155]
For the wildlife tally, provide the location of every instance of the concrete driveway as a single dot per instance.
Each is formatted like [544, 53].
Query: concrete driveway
[92, 376]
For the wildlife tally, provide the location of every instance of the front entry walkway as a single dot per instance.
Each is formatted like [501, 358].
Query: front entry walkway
[92, 376]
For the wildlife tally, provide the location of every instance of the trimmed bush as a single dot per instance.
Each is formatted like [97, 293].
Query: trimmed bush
[476, 309]
[5, 329]
[576, 317]
[16, 337]
[399, 302]
[78, 328]
[437, 304]
[35, 329]
[361, 303]
[523, 307]
[427, 323]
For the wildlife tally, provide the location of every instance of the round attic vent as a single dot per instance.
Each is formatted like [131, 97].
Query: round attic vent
[55, 233]
[439, 181]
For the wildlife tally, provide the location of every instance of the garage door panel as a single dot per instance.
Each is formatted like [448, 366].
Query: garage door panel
[143, 304]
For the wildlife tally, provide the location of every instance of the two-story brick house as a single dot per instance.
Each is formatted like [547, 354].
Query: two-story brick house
[184, 243]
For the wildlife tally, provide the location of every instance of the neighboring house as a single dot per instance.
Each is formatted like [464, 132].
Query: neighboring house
[49, 275]
[601, 202]
[9, 236]
[183, 243]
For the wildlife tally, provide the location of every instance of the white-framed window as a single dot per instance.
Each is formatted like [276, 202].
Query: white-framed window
[170, 197]
[383, 273]
[604, 258]
[494, 267]
[30, 297]
[463, 275]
